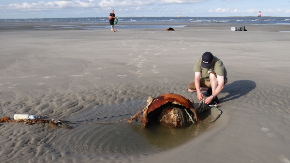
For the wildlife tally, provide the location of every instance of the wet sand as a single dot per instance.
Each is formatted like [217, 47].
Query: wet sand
[95, 76]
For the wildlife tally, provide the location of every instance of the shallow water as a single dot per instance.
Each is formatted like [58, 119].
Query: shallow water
[90, 136]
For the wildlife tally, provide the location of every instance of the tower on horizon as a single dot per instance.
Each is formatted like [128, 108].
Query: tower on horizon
[259, 14]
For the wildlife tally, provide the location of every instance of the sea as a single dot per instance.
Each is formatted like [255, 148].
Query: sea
[93, 23]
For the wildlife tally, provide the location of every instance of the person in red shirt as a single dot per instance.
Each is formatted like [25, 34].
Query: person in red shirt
[112, 19]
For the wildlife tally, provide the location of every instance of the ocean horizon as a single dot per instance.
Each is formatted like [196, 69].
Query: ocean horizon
[248, 19]
[93, 23]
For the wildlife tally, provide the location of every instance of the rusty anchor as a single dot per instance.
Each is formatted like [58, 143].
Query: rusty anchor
[169, 110]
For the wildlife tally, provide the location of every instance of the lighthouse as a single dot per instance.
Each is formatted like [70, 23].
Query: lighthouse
[259, 15]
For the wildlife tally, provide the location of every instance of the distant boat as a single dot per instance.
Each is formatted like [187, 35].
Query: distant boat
[259, 14]
[179, 15]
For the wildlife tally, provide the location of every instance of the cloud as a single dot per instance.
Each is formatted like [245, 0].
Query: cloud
[251, 11]
[71, 4]
[219, 10]
[180, 1]
[268, 10]
[222, 10]
[171, 1]
[126, 3]
[52, 5]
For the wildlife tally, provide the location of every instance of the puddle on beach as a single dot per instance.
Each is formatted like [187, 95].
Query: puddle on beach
[122, 138]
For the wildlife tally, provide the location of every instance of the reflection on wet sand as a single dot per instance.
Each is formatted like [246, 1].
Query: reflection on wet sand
[164, 137]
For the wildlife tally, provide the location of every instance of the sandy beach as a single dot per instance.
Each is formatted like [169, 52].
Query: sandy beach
[92, 76]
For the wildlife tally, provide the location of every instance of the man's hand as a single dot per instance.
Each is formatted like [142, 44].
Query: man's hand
[199, 95]
[197, 85]
[208, 100]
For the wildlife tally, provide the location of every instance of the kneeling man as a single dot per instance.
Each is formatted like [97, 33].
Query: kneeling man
[210, 76]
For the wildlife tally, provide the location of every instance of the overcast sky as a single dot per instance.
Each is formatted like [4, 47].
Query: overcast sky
[140, 8]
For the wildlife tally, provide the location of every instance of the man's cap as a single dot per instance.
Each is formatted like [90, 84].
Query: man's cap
[207, 58]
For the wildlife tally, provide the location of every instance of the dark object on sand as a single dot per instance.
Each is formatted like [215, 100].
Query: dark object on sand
[169, 110]
[170, 29]
[242, 28]
[239, 28]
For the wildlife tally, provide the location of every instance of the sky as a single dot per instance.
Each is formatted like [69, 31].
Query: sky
[139, 8]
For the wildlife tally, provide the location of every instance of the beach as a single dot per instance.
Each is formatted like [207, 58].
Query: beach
[92, 76]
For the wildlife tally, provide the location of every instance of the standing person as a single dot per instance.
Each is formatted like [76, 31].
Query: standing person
[112, 19]
[211, 76]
